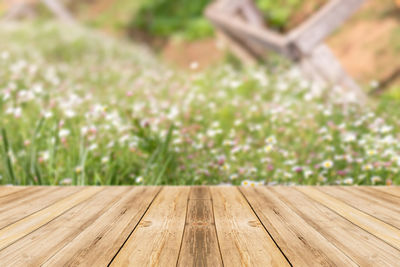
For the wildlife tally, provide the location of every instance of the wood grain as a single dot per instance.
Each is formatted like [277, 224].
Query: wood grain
[346, 236]
[384, 231]
[377, 204]
[243, 240]
[200, 226]
[20, 208]
[156, 241]
[392, 190]
[97, 244]
[21, 194]
[200, 243]
[313, 31]
[37, 247]
[6, 190]
[300, 242]
[15, 231]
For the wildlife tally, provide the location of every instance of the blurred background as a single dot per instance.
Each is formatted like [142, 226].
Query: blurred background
[147, 92]
[368, 45]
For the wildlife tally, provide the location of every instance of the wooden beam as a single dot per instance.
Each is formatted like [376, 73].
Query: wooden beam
[324, 65]
[313, 31]
[246, 31]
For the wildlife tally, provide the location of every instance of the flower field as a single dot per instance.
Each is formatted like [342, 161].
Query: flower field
[79, 108]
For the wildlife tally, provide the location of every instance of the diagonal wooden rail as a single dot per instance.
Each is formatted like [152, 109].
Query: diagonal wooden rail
[241, 25]
[199, 226]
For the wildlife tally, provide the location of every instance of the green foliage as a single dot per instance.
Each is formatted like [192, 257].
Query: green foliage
[78, 108]
[278, 13]
[179, 17]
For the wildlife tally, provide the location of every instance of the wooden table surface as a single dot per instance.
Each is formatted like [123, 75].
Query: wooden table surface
[200, 226]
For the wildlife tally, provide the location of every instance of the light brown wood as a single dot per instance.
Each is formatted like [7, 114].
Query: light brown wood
[302, 244]
[200, 226]
[346, 236]
[156, 241]
[391, 190]
[200, 243]
[97, 244]
[369, 201]
[20, 208]
[7, 190]
[384, 231]
[243, 240]
[15, 231]
[313, 31]
[37, 247]
[20, 194]
[246, 31]
[242, 26]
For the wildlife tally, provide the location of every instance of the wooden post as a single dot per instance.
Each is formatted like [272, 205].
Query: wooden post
[303, 45]
[22, 7]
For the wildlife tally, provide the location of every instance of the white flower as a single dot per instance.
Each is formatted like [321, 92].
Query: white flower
[69, 113]
[63, 133]
[327, 164]
[66, 181]
[268, 148]
[367, 167]
[104, 160]
[349, 137]
[139, 179]
[371, 152]
[270, 140]
[375, 179]
[348, 181]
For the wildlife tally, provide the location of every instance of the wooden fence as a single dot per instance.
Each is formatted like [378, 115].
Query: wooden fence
[241, 24]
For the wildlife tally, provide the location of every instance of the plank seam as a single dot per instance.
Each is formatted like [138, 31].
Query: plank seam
[265, 228]
[215, 226]
[41, 209]
[66, 244]
[366, 193]
[49, 220]
[11, 193]
[184, 226]
[351, 221]
[296, 211]
[387, 192]
[367, 213]
[134, 228]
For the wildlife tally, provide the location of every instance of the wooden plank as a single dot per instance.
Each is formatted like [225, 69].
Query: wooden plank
[246, 31]
[324, 64]
[97, 244]
[313, 31]
[157, 239]
[13, 232]
[37, 247]
[58, 10]
[373, 202]
[18, 209]
[243, 240]
[7, 190]
[200, 243]
[392, 190]
[20, 194]
[362, 247]
[300, 242]
[384, 231]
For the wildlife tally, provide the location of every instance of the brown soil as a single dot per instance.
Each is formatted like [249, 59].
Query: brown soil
[204, 53]
[365, 44]
[304, 11]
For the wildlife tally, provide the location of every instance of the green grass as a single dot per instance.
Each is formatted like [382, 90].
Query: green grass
[79, 108]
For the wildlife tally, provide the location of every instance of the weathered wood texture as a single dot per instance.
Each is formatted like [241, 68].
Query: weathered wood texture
[199, 226]
[241, 26]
